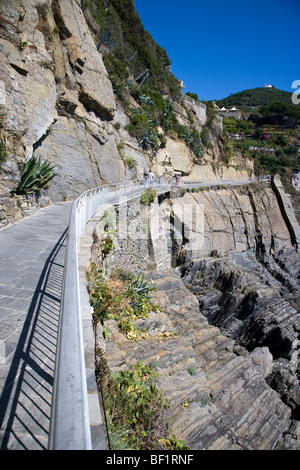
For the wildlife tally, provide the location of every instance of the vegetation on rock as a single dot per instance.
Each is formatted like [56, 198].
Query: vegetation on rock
[136, 410]
[129, 53]
[128, 37]
[148, 197]
[121, 298]
[268, 133]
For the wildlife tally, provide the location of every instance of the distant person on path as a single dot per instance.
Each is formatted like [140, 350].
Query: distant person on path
[150, 177]
[176, 180]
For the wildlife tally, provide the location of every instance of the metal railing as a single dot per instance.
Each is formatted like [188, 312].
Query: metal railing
[69, 426]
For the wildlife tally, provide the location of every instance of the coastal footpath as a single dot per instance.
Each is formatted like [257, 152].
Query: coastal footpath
[224, 341]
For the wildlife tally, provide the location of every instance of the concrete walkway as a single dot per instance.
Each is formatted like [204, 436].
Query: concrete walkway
[32, 253]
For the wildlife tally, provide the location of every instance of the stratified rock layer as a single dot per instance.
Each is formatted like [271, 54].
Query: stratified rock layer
[227, 339]
[219, 400]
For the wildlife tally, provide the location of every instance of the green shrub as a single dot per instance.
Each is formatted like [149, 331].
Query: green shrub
[137, 413]
[22, 45]
[115, 63]
[191, 371]
[281, 140]
[139, 292]
[107, 245]
[135, 408]
[131, 162]
[192, 138]
[148, 197]
[168, 116]
[205, 138]
[143, 127]
[147, 139]
[122, 300]
[192, 95]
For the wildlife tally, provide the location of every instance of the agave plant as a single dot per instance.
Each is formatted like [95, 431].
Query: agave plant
[152, 122]
[146, 100]
[168, 116]
[139, 290]
[194, 141]
[34, 176]
[147, 139]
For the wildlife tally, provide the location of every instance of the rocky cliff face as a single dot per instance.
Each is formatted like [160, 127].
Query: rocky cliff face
[226, 341]
[56, 93]
[58, 104]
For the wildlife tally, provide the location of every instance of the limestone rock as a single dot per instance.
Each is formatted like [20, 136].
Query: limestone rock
[178, 155]
[65, 148]
[13, 99]
[39, 92]
[232, 221]
[106, 155]
[263, 359]
[49, 69]
[95, 87]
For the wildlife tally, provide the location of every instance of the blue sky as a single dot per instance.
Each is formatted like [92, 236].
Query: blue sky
[222, 47]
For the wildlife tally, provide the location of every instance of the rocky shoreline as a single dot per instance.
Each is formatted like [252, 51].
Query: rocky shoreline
[225, 343]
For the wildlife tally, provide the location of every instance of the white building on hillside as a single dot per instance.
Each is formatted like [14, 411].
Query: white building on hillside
[232, 112]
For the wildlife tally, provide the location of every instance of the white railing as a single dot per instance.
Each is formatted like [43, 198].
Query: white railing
[69, 426]
[194, 102]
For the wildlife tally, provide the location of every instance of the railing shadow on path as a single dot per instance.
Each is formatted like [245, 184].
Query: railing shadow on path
[25, 403]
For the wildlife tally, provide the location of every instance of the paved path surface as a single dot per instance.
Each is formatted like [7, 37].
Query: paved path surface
[31, 272]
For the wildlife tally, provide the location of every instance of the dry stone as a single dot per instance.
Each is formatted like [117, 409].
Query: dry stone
[178, 155]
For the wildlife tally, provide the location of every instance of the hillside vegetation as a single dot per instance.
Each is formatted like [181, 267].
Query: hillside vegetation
[140, 72]
[256, 97]
[130, 49]
[269, 130]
